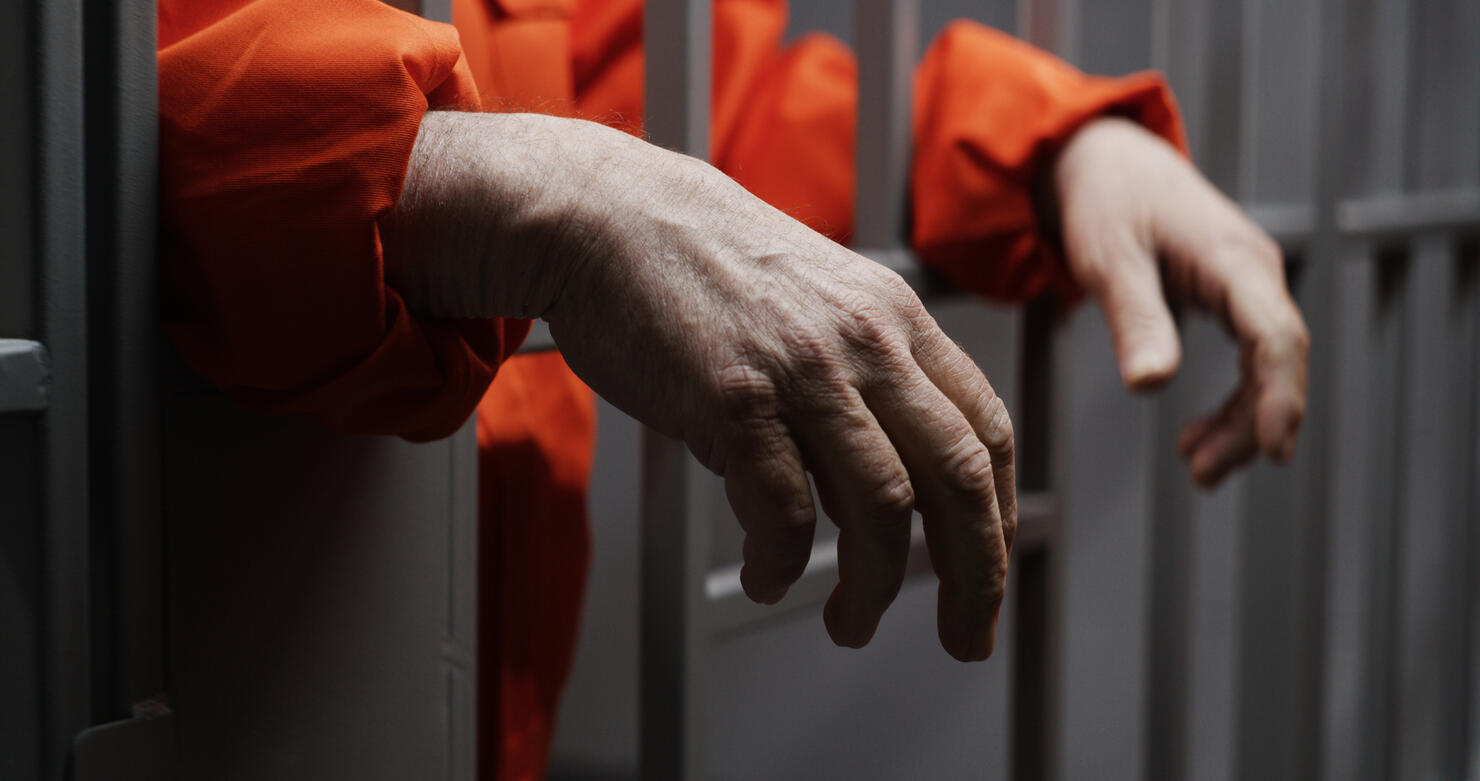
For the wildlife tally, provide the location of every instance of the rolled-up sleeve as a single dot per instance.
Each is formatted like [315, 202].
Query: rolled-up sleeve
[286, 129]
[991, 112]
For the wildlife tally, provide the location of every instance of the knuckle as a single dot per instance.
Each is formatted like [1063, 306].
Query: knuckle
[804, 345]
[798, 518]
[1250, 241]
[747, 393]
[999, 434]
[871, 333]
[904, 298]
[892, 500]
[968, 471]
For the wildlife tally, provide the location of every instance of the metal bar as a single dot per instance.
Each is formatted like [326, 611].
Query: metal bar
[1035, 663]
[1376, 725]
[539, 339]
[677, 85]
[58, 211]
[436, 10]
[1444, 123]
[1427, 599]
[24, 376]
[675, 627]
[885, 34]
[1395, 216]
[1467, 499]
[1279, 719]
[1462, 513]
[1290, 224]
[460, 633]
[1169, 620]
[127, 588]
[675, 529]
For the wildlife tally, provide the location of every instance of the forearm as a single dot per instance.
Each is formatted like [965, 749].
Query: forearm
[491, 222]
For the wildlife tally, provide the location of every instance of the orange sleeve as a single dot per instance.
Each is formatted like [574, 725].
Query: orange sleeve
[990, 112]
[285, 133]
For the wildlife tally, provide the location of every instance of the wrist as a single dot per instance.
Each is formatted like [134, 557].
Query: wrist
[490, 222]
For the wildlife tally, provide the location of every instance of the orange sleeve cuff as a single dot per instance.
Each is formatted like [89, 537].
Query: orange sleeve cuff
[285, 132]
[990, 112]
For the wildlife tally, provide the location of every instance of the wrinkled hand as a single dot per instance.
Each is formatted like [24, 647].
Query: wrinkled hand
[1141, 225]
[716, 319]
[772, 352]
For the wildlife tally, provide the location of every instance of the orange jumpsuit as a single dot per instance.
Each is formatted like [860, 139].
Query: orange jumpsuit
[285, 131]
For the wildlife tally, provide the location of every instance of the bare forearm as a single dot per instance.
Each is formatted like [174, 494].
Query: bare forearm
[490, 222]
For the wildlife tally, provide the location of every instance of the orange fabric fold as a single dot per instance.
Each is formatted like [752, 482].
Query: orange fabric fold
[285, 132]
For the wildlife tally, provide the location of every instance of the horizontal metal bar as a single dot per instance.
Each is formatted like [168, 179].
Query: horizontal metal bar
[25, 376]
[1290, 224]
[731, 611]
[1391, 216]
[539, 339]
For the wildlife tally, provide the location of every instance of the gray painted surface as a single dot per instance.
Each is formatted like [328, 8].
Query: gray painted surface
[320, 618]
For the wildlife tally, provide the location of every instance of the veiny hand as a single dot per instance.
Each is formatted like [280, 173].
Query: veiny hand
[1140, 224]
[716, 319]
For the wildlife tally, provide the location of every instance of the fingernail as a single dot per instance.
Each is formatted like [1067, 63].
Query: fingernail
[1147, 363]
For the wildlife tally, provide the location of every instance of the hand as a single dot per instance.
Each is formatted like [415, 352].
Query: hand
[716, 319]
[1141, 225]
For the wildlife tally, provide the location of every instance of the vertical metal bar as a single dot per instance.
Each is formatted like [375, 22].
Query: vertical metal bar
[436, 10]
[1172, 589]
[22, 691]
[460, 636]
[460, 632]
[1361, 698]
[1052, 25]
[1226, 85]
[1425, 620]
[1035, 666]
[1468, 500]
[1457, 715]
[675, 531]
[1376, 726]
[1444, 124]
[1283, 611]
[676, 92]
[1170, 592]
[59, 210]
[885, 34]
[127, 589]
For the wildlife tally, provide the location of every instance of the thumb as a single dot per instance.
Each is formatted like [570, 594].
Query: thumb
[1129, 291]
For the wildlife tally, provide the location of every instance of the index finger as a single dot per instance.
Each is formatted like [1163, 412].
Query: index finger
[1277, 345]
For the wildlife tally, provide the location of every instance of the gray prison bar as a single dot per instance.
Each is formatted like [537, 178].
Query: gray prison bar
[1314, 622]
